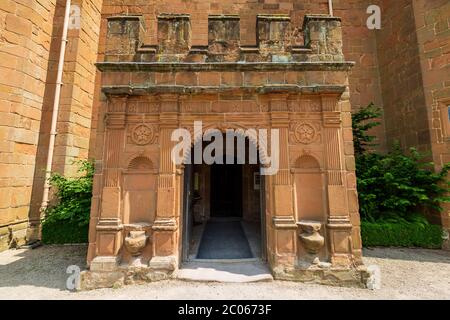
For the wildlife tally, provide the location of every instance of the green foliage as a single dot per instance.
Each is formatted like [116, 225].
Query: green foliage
[399, 232]
[393, 183]
[398, 183]
[67, 221]
[362, 122]
[64, 231]
[393, 188]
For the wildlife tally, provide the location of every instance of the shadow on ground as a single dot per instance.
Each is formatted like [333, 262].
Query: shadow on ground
[41, 267]
[408, 254]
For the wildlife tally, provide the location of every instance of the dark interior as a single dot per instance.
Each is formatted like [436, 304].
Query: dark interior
[226, 190]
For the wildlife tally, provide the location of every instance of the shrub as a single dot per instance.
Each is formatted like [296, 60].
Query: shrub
[400, 232]
[397, 182]
[67, 220]
[362, 122]
[393, 187]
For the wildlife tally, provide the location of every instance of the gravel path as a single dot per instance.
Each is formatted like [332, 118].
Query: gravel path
[406, 274]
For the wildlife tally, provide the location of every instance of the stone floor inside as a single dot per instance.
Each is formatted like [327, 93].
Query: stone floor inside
[226, 250]
[226, 239]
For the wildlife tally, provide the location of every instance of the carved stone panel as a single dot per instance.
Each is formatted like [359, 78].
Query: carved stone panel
[143, 134]
[304, 133]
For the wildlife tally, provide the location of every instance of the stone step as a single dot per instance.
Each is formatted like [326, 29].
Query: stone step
[226, 272]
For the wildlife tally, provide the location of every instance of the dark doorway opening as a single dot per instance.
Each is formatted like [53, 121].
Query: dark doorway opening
[226, 190]
[223, 211]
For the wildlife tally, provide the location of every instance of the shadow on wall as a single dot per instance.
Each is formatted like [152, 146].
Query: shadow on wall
[41, 267]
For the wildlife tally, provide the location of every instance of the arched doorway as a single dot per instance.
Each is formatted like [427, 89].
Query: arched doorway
[223, 205]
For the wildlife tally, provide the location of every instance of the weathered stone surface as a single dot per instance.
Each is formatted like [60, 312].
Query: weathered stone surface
[93, 280]
[351, 277]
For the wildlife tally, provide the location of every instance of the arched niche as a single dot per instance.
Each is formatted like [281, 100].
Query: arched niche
[140, 163]
[309, 186]
[139, 191]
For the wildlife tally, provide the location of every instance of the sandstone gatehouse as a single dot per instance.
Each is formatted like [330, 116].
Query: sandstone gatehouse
[135, 71]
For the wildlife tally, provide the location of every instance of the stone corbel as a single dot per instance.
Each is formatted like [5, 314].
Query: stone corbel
[310, 236]
[136, 240]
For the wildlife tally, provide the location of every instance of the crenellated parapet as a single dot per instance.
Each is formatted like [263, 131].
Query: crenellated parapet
[277, 40]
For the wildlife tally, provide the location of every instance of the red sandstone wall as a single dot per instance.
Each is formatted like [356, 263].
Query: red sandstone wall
[30, 38]
[25, 36]
[432, 19]
[77, 96]
[414, 57]
[402, 88]
[360, 46]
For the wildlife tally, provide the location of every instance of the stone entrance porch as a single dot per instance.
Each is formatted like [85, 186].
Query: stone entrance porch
[310, 214]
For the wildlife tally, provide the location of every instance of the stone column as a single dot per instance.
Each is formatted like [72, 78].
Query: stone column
[109, 226]
[283, 200]
[165, 247]
[339, 224]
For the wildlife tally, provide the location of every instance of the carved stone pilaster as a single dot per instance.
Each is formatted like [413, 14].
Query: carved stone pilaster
[280, 121]
[340, 234]
[165, 224]
[332, 136]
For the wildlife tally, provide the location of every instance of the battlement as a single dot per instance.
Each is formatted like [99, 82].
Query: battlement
[277, 40]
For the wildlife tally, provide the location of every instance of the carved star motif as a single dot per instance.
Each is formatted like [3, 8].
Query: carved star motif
[305, 133]
[142, 134]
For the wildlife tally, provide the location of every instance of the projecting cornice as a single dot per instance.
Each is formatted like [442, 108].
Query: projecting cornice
[192, 90]
[222, 66]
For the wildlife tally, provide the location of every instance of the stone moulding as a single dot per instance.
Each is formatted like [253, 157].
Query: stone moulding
[193, 90]
[274, 17]
[318, 17]
[224, 17]
[124, 17]
[224, 66]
